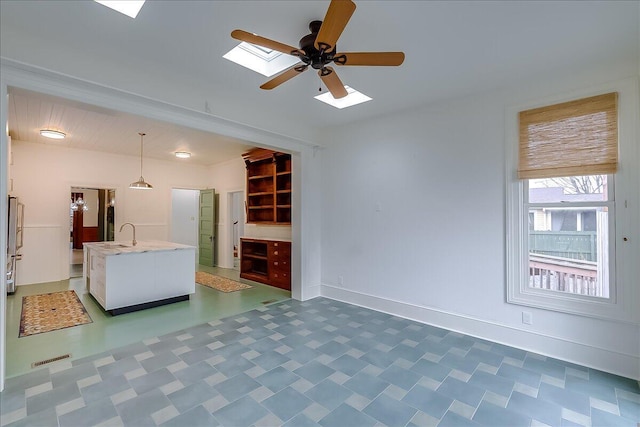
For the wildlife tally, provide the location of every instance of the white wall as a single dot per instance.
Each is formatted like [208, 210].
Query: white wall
[43, 177]
[225, 177]
[184, 216]
[413, 223]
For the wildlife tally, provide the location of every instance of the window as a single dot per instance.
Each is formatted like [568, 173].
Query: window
[564, 224]
[569, 248]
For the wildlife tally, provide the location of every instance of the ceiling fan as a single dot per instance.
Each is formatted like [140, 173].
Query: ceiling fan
[318, 50]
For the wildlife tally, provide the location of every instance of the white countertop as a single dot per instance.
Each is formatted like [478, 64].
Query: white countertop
[125, 247]
[273, 239]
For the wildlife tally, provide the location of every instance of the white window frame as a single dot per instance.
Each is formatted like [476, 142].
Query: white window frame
[623, 221]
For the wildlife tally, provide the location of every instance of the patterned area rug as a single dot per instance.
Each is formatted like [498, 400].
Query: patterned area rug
[219, 283]
[50, 312]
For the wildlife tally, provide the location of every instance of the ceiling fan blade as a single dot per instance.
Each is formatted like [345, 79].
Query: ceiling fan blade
[332, 81]
[369, 58]
[265, 42]
[335, 20]
[283, 77]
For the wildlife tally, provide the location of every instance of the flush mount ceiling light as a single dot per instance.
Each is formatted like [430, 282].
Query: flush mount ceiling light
[353, 98]
[182, 154]
[126, 7]
[140, 184]
[53, 134]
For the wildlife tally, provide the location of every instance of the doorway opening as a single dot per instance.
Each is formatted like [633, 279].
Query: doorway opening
[91, 219]
[236, 199]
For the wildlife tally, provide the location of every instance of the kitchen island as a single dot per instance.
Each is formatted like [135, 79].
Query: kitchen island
[125, 278]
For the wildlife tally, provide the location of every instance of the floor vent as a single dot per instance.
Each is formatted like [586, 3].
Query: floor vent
[269, 301]
[53, 359]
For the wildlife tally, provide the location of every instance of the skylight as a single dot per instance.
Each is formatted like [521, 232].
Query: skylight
[260, 59]
[353, 98]
[127, 7]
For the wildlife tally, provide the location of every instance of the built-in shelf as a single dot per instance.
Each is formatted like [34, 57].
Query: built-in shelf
[268, 187]
[255, 256]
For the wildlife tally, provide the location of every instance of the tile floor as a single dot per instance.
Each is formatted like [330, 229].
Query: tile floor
[107, 332]
[319, 362]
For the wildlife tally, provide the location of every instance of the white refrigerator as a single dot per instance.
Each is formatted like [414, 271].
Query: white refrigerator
[14, 241]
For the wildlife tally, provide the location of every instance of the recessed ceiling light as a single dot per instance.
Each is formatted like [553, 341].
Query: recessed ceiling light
[260, 59]
[126, 7]
[53, 134]
[182, 154]
[353, 98]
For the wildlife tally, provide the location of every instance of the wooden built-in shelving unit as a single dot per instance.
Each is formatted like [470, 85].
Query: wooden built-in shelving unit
[266, 261]
[268, 187]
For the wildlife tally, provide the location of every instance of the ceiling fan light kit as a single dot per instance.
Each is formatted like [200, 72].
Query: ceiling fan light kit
[318, 49]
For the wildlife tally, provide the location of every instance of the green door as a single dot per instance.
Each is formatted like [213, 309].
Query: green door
[206, 230]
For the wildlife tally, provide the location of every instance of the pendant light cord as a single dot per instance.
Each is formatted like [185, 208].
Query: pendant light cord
[141, 136]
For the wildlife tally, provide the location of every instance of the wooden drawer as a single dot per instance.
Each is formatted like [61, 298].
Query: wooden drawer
[281, 264]
[280, 278]
[280, 250]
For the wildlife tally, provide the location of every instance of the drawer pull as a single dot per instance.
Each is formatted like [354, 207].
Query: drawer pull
[275, 252]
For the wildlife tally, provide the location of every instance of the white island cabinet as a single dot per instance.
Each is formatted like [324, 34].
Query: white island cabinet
[125, 278]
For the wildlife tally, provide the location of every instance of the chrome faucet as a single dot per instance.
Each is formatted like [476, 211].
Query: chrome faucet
[134, 231]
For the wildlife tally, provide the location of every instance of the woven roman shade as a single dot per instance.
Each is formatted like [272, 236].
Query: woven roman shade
[570, 139]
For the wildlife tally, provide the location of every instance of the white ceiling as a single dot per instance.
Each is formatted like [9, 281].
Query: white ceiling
[453, 49]
[89, 127]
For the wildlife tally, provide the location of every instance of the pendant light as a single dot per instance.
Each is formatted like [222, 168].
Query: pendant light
[141, 184]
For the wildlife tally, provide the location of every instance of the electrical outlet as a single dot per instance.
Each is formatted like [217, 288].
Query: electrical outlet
[527, 318]
[340, 280]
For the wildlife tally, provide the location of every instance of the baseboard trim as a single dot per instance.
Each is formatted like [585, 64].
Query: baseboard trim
[311, 292]
[622, 364]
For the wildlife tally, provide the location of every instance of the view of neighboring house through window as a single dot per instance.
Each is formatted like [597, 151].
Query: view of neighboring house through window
[568, 237]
